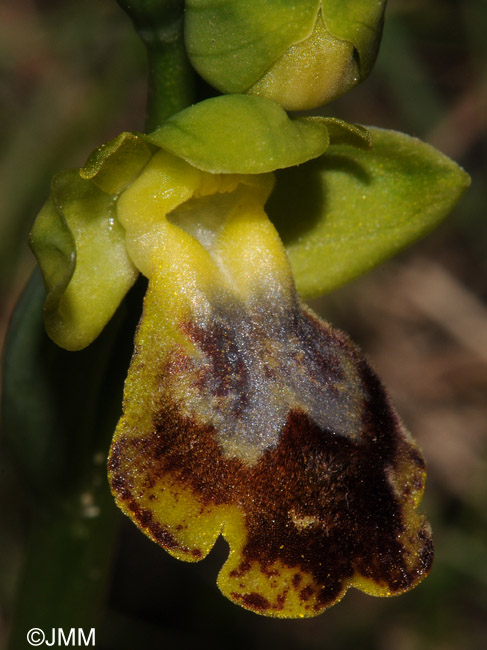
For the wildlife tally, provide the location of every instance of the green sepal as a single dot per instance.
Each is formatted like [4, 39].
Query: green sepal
[230, 43]
[80, 247]
[116, 164]
[345, 212]
[53, 244]
[242, 134]
[359, 22]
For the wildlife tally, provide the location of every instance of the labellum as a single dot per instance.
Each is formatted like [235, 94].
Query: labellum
[246, 415]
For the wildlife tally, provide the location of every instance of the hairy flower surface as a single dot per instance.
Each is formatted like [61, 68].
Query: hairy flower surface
[244, 414]
[247, 416]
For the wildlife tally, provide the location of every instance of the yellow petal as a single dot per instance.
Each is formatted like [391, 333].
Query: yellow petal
[246, 415]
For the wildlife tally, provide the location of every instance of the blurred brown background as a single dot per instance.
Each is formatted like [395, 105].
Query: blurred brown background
[73, 76]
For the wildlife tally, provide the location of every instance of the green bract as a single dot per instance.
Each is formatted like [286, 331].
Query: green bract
[300, 54]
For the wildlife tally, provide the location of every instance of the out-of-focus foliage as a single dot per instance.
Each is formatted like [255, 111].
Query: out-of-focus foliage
[75, 77]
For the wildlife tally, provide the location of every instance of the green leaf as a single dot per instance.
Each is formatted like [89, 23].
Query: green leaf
[54, 403]
[350, 209]
[28, 405]
[233, 43]
[59, 411]
[359, 22]
[241, 134]
[80, 247]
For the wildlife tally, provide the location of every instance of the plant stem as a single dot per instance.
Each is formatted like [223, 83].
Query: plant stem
[170, 81]
[160, 24]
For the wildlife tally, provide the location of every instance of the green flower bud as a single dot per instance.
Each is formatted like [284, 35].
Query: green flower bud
[300, 55]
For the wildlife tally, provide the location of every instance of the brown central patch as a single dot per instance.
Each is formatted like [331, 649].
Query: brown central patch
[317, 501]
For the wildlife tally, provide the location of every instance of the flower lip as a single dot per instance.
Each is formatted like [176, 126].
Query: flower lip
[246, 416]
[232, 377]
[307, 511]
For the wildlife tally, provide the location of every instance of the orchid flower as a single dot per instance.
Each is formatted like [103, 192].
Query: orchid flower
[244, 414]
